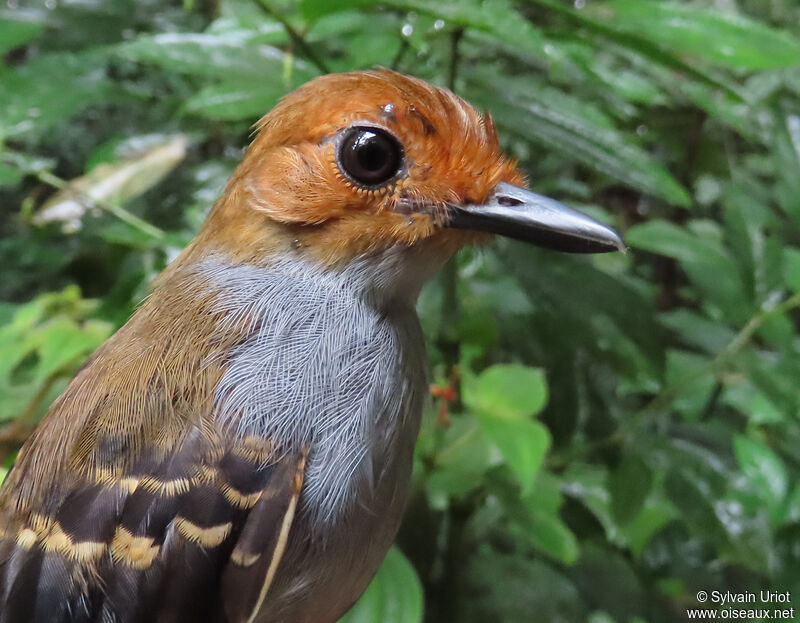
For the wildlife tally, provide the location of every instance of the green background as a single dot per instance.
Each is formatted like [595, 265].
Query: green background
[608, 435]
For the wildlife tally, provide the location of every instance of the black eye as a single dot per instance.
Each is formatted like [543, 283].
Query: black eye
[370, 157]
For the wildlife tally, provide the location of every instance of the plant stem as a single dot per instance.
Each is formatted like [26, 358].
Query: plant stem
[666, 396]
[401, 52]
[449, 343]
[448, 567]
[452, 73]
[720, 360]
[121, 213]
[297, 38]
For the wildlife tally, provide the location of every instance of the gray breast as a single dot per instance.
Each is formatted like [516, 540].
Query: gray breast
[327, 366]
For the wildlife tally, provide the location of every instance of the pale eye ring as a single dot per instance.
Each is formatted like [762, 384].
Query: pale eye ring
[369, 157]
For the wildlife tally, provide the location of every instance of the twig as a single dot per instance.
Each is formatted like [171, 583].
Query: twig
[297, 38]
[712, 401]
[447, 343]
[401, 52]
[722, 358]
[666, 396]
[455, 39]
[121, 213]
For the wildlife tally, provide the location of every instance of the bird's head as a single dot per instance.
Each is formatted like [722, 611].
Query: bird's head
[351, 165]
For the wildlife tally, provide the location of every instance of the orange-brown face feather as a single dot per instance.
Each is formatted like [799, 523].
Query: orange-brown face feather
[290, 189]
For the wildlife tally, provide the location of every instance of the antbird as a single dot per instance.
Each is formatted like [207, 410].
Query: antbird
[240, 450]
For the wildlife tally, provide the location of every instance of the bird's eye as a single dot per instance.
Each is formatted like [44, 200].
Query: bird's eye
[370, 157]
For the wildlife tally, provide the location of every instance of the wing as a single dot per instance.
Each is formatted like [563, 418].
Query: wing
[194, 534]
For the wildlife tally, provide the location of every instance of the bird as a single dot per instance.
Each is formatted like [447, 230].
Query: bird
[240, 450]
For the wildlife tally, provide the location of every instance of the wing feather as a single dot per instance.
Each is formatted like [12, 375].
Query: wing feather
[258, 552]
[197, 536]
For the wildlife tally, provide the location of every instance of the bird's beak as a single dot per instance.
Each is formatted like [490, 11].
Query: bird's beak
[519, 213]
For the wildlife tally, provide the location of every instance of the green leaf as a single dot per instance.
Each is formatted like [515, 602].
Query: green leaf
[604, 34]
[522, 443]
[709, 265]
[233, 101]
[610, 581]
[546, 494]
[113, 183]
[629, 84]
[244, 76]
[63, 342]
[763, 468]
[775, 377]
[785, 154]
[654, 515]
[32, 96]
[464, 447]
[524, 113]
[551, 535]
[723, 107]
[791, 268]
[564, 287]
[696, 485]
[507, 391]
[588, 483]
[719, 37]
[692, 377]
[460, 463]
[14, 165]
[444, 485]
[16, 398]
[497, 18]
[792, 508]
[224, 54]
[695, 502]
[9, 175]
[373, 38]
[679, 243]
[756, 253]
[13, 349]
[751, 403]
[312, 10]
[697, 330]
[629, 485]
[534, 516]
[393, 596]
[14, 33]
[510, 588]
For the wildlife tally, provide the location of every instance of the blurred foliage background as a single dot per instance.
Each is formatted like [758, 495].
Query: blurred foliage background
[607, 435]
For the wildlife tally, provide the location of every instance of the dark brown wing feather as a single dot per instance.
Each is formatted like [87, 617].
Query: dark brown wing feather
[254, 560]
[196, 536]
